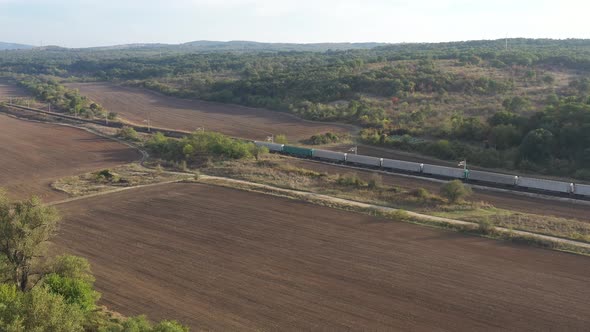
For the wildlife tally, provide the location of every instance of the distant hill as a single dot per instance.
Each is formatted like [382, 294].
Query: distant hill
[12, 46]
[256, 46]
[213, 46]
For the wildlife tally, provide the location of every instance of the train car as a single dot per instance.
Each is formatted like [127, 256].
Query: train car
[543, 184]
[402, 165]
[449, 172]
[582, 189]
[329, 155]
[273, 147]
[496, 178]
[363, 160]
[298, 151]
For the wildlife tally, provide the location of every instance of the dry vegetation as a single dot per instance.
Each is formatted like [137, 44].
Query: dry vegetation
[108, 179]
[277, 171]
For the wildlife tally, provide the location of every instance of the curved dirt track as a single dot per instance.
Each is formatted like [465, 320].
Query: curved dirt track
[136, 105]
[32, 155]
[222, 259]
[502, 200]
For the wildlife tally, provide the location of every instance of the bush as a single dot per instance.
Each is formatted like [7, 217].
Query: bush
[128, 133]
[281, 139]
[455, 191]
[200, 145]
[485, 226]
[72, 267]
[420, 193]
[37, 310]
[74, 291]
[351, 180]
[106, 175]
[326, 138]
[375, 182]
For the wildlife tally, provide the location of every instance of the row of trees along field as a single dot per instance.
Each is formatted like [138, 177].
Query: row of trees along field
[63, 99]
[447, 94]
[40, 293]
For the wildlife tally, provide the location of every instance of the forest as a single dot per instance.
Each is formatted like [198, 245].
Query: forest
[514, 104]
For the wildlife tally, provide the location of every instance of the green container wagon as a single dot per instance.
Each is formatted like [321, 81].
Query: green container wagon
[297, 151]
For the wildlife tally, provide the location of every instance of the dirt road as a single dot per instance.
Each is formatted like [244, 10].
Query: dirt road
[221, 259]
[503, 200]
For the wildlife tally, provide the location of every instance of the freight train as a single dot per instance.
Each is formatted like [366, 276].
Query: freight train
[490, 178]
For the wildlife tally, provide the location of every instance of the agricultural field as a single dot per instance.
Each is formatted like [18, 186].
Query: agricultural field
[33, 155]
[137, 105]
[9, 89]
[221, 259]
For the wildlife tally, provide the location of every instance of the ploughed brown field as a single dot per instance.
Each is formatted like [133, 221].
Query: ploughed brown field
[32, 155]
[221, 259]
[9, 89]
[136, 105]
[502, 200]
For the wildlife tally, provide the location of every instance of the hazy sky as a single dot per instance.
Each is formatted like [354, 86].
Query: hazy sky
[80, 23]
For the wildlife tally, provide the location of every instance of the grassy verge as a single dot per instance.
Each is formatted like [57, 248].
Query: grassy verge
[479, 229]
[130, 175]
[277, 171]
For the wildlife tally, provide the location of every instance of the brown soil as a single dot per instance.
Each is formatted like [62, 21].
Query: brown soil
[502, 200]
[32, 155]
[136, 105]
[9, 89]
[221, 259]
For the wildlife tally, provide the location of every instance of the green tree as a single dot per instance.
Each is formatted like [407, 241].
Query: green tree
[25, 228]
[455, 191]
[516, 104]
[281, 139]
[74, 291]
[74, 267]
[537, 145]
[128, 133]
[505, 136]
[259, 151]
[38, 310]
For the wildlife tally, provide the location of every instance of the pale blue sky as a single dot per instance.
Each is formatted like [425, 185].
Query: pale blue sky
[81, 23]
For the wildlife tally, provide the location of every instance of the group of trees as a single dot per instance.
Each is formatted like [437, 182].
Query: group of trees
[393, 90]
[64, 99]
[201, 145]
[555, 140]
[41, 294]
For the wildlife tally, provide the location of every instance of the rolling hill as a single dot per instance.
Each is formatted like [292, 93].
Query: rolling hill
[13, 46]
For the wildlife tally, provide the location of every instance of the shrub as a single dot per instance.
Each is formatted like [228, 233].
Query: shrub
[281, 139]
[74, 291]
[420, 193]
[198, 146]
[375, 182]
[455, 191]
[106, 175]
[323, 139]
[485, 226]
[351, 180]
[128, 133]
[72, 267]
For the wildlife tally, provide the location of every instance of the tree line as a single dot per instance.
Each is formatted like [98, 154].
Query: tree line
[40, 293]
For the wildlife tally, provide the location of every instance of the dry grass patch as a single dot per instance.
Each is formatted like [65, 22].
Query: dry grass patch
[130, 175]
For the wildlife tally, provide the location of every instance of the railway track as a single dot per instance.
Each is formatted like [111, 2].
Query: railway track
[180, 133]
